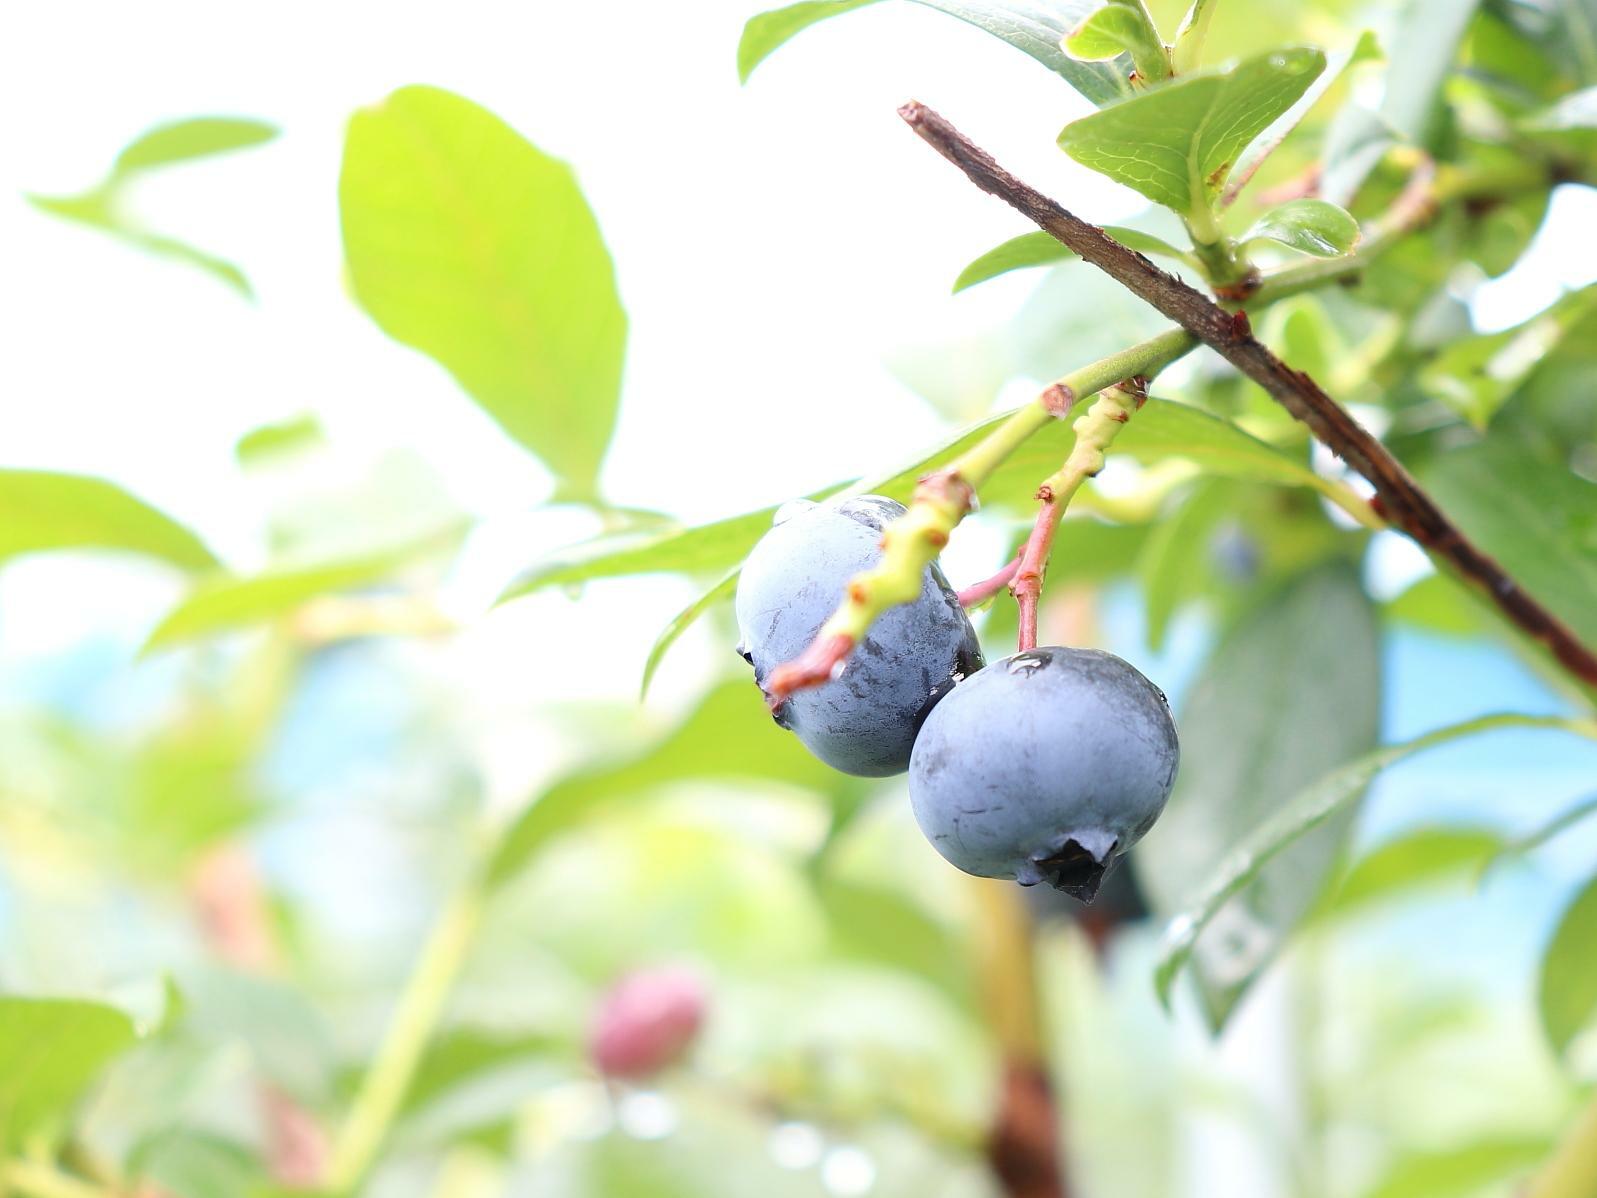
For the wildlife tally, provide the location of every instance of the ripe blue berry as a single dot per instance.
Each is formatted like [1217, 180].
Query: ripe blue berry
[863, 721]
[1045, 767]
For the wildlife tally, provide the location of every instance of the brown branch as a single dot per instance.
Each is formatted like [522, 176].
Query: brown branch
[1397, 496]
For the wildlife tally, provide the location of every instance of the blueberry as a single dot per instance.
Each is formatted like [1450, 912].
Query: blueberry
[1045, 767]
[864, 721]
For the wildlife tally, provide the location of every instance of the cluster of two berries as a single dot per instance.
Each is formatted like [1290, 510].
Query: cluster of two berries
[1043, 767]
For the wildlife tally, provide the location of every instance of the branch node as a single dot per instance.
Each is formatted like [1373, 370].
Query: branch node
[1058, 399]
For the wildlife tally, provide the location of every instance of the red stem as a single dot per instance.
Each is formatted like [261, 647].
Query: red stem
[979, 592]
[1033, 564]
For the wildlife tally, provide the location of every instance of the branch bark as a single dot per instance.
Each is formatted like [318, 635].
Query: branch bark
[1397, 496]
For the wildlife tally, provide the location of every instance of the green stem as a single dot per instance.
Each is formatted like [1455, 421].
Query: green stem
[382, 1091]
[1572, 1170]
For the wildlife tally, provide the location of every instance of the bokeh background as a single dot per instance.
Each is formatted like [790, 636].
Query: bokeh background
[784, 251]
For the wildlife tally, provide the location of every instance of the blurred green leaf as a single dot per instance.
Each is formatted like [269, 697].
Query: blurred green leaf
[461, 1054]
[1461, 1172]
[1176, 144]
[466, 242]
[1119, 27]
[271, 441]
[1568, 991]
[1291, 692]
[1355, 143]
[1577, 111]
[102, 206]
[1438, 603]
[876, 924]
[1534, 839]
[1419, 858]
[681, 622]
[196, 137]
[40, 510]
[1034, 28]
[227, 604]
[197, 1164]
[1475, 376]
[1309, 810]
[51, 1050]
[1315, 227]
[1538, 519]
[729, 735]
[1173, 565]
[1042, 249]
[1423, 52]
[766, 32]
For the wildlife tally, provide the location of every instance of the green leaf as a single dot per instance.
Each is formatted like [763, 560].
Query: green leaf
[51, 1050]
[196, 137]
[468, 243]
[227, 604]
[1461, 1172]
[197, 1164]
[1191, 34]
[1176, 144]
[729, 735]
[765, 32]
[1166, 429]
[40, 510]
[705, 548]
[879, 925]
[181, 141]
[681, 622]
[1034, 28]
[1354, 144]
[1366, 49]
[1568, 991]
[1438, 603]
[1475, 376]
[272, 441]
[1292, 692]
[1308, 810]
[1534, 839]
[1121, 27]
[1423, 52]
[1535, 516]
[1174, 559]
[1041, 249]
[1576, 111]
[1316, 227]
[1422, 857]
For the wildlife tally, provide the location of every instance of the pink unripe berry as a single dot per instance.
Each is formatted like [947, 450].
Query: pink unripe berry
[646, 1021]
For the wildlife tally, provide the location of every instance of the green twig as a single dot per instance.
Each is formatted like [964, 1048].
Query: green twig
[382, 1091]
[1571, 1172]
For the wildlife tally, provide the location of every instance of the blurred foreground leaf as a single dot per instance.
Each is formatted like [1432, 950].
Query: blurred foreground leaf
[729, 735]
[1292, 692]
[1568, 992]
[1329, 798]
[41, 510]
[50, 1051]
[103, 206]
[468, 243]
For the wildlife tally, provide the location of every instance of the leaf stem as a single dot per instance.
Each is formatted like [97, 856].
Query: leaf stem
[382, 1090]
[1095, 432]
[978, 593]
